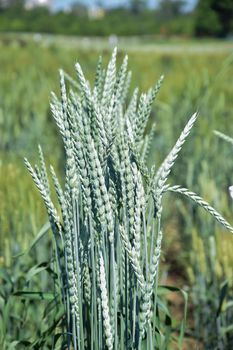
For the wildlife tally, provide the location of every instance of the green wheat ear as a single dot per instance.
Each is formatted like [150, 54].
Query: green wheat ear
[107, 219]
[224, 137]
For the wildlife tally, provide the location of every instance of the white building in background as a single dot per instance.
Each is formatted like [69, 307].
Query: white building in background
[33, 3]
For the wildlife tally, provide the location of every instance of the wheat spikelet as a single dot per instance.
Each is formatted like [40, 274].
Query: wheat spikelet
[132, 255]
[109, 80]
[165, 169]
[197, 199]
[105, 306]
[224, 137]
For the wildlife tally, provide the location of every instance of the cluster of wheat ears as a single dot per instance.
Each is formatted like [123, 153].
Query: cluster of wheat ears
[107, 229]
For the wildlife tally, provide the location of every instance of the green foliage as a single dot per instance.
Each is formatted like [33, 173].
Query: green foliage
[170, 9]
[211, 290]
[210, 18]
[12, 4]
[214, 18]
[137, 6]
[20, 319]
[137, 20]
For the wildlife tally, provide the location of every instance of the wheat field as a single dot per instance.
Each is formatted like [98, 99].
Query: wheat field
[194, 246]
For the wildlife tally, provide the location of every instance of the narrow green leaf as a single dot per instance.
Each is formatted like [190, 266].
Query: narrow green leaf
[35, 295]
[44, 229]
[222, 296]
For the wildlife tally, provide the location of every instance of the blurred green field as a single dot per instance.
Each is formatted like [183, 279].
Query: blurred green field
[198, 77]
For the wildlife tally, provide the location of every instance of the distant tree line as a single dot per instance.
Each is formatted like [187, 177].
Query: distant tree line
[214, 18]
[208, 18]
